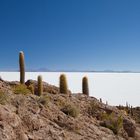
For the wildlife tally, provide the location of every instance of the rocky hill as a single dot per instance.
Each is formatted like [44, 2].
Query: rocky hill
[55, 116]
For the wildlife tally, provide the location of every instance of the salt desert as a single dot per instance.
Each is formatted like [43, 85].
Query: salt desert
[115, 88]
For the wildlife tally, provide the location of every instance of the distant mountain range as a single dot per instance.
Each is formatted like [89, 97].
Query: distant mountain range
[48, 70]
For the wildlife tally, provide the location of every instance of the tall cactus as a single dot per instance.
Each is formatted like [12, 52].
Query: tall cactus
[40, 85]
[22, 67]
[63, 84]
[85, 88]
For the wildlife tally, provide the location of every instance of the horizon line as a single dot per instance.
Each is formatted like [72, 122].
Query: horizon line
[82, 71]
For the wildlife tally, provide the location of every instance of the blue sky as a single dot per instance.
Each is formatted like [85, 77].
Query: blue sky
[70, 34]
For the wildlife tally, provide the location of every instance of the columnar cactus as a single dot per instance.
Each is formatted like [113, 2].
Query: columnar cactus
[131, 111]
[63, 84]
[22, 67]
[40, 85]
[85, 88]
[100, 100]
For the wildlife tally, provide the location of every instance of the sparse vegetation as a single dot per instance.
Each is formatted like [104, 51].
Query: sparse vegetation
[44, 100]
[21, 89]
[62, 111]
[3, 97]
[112, 122]
[93, 107]
[70, 110]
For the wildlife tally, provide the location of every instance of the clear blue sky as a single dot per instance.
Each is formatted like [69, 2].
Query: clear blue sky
[71, 34]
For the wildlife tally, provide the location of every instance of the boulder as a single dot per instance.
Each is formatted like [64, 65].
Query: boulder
[129, 126]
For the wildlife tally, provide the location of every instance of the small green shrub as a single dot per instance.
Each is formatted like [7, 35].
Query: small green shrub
[112, 122]
[21, 89]
[44, 100]
[70, 110]
[92, 108]
[3, 97]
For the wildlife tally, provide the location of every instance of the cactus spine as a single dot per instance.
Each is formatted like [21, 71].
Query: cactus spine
[63, 84]
[22, 67]
[85, 88]
[40, 85]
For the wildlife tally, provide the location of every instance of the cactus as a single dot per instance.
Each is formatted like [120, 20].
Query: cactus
[85, 88]
[40, 85]
[22, 67]
[127, 109]
[100, 100]
[132, 111]
[106, 103]
[63, 84]
[126, 104]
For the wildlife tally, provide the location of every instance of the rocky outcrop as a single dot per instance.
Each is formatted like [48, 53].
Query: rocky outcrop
[129, 126]
[30, 117]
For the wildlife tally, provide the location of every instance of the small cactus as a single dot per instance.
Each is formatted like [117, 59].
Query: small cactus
[40, 85]
[132, 111]
[22, 67]
[106, 103]
[63, 84]
[85, 88]
[100, 100]
[127, 105]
